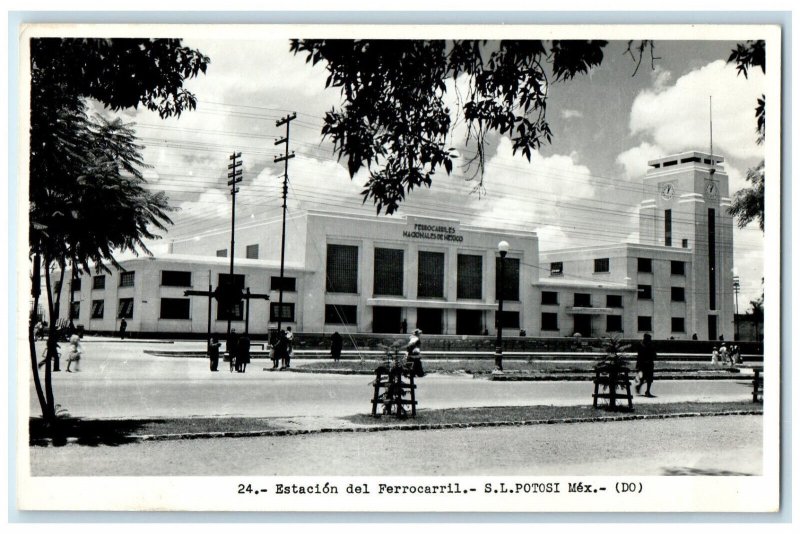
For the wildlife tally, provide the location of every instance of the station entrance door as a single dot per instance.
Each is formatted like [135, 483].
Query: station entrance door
[429, 320]
[469, 322]
[583, 324]
[386, 320]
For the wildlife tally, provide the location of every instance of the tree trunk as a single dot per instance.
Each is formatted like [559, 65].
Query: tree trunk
[35, 292]
[52, 341]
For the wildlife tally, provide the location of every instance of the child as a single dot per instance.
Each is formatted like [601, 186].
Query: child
[74, 351]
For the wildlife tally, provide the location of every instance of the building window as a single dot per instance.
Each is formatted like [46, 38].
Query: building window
[678, 268]
[236, 313]
[678, 325]
[175, 309]
[614, 301]
[125, 309]
[678, 294]
[289, 283]
[667, 228]
[388, 272]
[685, 243]
[556, 268]
[583, 300]
[76, 310]
[97, 309]
[470, 277]
[251, 252]
[342, 269]
[76, 284]
[510, 319]
[283, 312]
[126, 279]
[430, 275]
[601, 265]
[645, 265]
[225, 278]
[99, 282]
[645, 292]
[712, 260]
[510, 279]
[644, 323]
[222, 253]
[338, 314]
[549, 321]
[176, 278]
[549, 297]
[613, 323]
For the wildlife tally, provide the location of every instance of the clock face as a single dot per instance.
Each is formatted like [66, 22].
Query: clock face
[667, 191]
[711, 190]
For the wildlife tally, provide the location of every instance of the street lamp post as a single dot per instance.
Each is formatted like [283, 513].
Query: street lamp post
[502, 248]
[736, 288]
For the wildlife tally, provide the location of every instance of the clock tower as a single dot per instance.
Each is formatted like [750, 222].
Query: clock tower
[685, 204]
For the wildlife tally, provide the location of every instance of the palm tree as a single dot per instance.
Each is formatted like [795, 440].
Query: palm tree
[97, 207]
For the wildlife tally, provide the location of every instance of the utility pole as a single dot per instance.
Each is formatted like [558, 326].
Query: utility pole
[285, 159]
[234, 177]
[736, 288]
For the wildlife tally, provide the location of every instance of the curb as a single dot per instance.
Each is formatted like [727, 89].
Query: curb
[431, 426]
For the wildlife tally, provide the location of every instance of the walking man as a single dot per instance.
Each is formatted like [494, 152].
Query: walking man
[213, 353]
[123, 327]
[231, 346]
[414, 349]
[287, 358]
[336, 347]
[645, 364]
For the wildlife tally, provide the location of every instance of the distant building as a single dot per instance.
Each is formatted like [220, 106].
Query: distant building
[370, 274]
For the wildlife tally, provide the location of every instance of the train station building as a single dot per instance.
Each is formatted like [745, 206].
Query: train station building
[355, 273]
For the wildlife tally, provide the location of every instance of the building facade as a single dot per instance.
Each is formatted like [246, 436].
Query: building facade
[391, 274]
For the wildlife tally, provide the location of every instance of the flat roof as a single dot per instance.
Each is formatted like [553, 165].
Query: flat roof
[686, 155]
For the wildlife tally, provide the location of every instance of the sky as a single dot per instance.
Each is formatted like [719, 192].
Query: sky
[582, 189]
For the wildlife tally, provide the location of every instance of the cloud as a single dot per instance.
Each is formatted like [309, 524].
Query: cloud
[634, 160]
[676, 117]
[571, 114]
[544, 195]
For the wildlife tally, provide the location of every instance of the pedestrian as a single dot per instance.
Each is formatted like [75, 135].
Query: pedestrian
[724, 357]
[714, 356]
[123, 327]
[694, 336]
[404, 326]
[213, 353]
[243, 354]
[336, 347]
[273, 351]
[74, 352]
[287, 355]
[38, 331]
[231, 346]
[414, 349]
[280, 349]
[645, 364]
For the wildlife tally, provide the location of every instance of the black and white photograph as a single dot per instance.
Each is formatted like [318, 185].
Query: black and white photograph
[351, 268]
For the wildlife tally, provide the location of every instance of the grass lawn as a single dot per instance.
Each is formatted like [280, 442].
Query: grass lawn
[94, 432]
[486, 365]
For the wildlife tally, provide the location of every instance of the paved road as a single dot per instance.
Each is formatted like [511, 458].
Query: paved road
[119, 380]
[729, 445]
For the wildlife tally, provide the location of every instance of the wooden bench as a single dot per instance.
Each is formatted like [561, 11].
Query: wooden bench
[390, 390]
[758, 386]
[612, 382]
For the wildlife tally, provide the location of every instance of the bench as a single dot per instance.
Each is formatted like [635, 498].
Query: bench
[611, 382]
[758, 386]
[390, 390]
